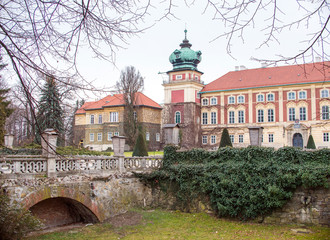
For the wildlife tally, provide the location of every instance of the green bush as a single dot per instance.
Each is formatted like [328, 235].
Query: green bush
[225, 139]
[69, 150]
[243, 183]
[15, 222]
[140, 148]
[311, 143]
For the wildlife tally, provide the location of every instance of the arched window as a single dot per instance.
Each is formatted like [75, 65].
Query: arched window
[205, 102]
[292, 95]
[240, 99]
[260, 98]
[324, 93]
[270, 97]
[177, 117]
[213, 101]
[302, 95]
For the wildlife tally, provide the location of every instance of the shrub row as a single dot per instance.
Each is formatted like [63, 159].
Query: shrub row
[240, 182]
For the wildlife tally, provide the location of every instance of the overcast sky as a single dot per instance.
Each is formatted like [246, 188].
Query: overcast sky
[149, 52]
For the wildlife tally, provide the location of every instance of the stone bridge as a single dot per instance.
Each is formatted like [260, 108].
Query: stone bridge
[66, 189]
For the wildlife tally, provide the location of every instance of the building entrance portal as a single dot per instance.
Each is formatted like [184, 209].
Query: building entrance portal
[297, 140]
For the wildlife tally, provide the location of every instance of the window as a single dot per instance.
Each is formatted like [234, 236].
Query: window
[213, 101]
[116, 133]
[262, 138]
[213, 118]
[204, 116]
[302, 114]
[109, 136]
[92, 119]
[232, 138]
[240, 138]
[260, 98]
[178, 77]
[326, 137]
[270, 115]
[231, 117]
[204, 139]
[292, 95]
[231, 100]
[205, 102]
[135, 115]
[302, 95]
[100, 119]
[147, 136]
[270, 137]
[240, 99]
[177, 117]
[324, 93]
[91, 137]
[213, 139]
[292, 114]
[325, 112]
[157, 137]
[241, 116]
[260, 115]
[99, 137]
[113, 116]
[270, 97]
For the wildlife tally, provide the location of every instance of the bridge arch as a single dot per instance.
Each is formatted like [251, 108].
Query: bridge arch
[75, 202]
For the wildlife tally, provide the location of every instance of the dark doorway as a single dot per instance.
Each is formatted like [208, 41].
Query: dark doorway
[297, 140]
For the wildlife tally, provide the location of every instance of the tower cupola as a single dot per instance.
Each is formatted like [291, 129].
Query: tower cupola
[185, 58]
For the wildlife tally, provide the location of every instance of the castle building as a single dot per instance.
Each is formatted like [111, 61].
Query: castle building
[97, 122]
[285, 104]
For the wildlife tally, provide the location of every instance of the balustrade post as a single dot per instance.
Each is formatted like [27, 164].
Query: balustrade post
[48, 144]
[118, 149]
[143, 163]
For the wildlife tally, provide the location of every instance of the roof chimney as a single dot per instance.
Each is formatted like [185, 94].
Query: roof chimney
[236, 68]
[242, 67]
[263, 64]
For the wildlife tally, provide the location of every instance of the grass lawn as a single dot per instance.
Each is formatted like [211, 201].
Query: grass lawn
[158, 224]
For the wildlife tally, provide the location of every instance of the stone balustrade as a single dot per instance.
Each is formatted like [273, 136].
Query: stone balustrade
[30, 165]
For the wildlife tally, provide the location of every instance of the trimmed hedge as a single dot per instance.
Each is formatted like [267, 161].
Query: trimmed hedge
[240, 182]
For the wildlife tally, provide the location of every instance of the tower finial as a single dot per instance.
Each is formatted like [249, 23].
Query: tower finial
[185, 32]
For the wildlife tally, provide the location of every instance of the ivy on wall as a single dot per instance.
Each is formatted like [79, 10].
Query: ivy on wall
[240, 182]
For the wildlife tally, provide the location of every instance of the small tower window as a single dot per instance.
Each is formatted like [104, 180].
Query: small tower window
[177, 117]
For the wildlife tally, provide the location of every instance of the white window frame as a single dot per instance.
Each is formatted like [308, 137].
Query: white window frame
[271, 137]
[147, 136]
[292, 114]
[324, 93]
[213, 101]
[116, 133]
[113, 117]
[92, 119]
[241, 99]
[91, 137]
[100, 119]
[178, 77]
[204, 118]
[292, 95]
[270, 113]
[260, 98]
[241, 117]
[157, 137]
[325, 112]
[110, 134]
[241, 138]
[231, 117]
[205, 101]
[302, 113]
[272, 99]
[231, 100]
[177, 116]
[260, 116]
[213, 117]
[304, 96]
[232, 138]
[204, 139]
[99, 137]
[213, 139]
[326, 137]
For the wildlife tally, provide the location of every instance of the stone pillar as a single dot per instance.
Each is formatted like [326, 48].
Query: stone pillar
[118, 149]
[255, 135]
[48, 144]
[9, 139]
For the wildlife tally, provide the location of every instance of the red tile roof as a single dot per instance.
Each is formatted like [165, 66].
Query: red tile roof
[117, 100]
[274, 76]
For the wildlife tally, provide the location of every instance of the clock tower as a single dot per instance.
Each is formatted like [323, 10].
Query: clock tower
[182, 108]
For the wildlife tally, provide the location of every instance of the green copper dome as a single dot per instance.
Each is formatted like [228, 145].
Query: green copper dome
[185, 58]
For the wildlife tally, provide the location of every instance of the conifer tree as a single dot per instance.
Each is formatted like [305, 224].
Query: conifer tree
[50, 113]
[225, 139]
[140, 148]
[311, 143]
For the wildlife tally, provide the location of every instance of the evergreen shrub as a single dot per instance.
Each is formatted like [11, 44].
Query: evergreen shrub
[243, 183]
[140, 148]
[311, 143]
[225, 139]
